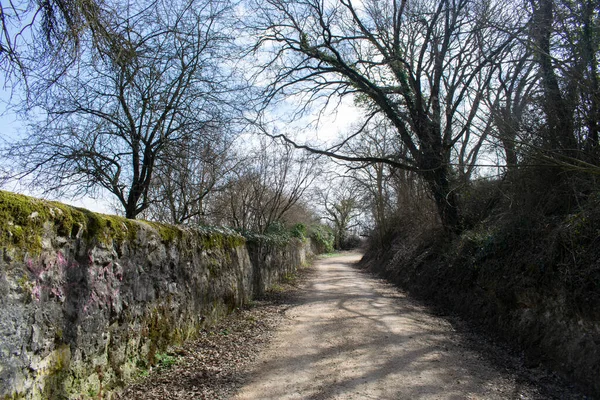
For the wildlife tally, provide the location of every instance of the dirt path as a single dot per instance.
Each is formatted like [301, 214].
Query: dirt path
[352, 336]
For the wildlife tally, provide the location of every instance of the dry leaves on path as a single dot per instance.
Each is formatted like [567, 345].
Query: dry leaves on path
[211, 366]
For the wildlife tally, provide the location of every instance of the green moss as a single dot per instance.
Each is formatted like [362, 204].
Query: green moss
[55, 372]
[108, 228]
[23, 221]
[14, 396]
[187, 332]
[165, 360]
[217, 240]
[52, 379]
[58, 335]
[26, 285]
[167, 233]
[214, 267]
[160, 331]
[203, 237]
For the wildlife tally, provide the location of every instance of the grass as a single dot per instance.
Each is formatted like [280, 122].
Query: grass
[165, 360]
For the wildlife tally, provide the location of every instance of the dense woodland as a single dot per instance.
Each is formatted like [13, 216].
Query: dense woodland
[476, 139]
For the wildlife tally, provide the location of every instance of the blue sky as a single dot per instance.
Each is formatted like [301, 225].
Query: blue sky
[336, 119]
[10, 127]
[8, 124]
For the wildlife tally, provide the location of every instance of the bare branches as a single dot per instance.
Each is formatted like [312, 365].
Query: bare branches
[416, 63]
[336, 155]
[265, 188]
[49, 35]
[109, 122]
[342, 207]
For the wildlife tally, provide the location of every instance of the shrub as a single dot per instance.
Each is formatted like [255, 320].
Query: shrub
[323, 238]
[351, 242]
[299, 231]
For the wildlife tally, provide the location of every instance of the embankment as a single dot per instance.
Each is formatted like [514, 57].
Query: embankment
[538, 292]
[89, 300]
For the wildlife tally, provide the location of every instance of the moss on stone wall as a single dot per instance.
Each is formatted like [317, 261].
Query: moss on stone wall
[24, 219]
[127, 289]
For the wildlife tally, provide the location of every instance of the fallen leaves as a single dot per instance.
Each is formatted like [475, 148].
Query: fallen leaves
[212, 366]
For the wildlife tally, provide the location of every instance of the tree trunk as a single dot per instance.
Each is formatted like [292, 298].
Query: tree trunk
[445, 198]
[130, 210]
[558, 108]
[434, 167]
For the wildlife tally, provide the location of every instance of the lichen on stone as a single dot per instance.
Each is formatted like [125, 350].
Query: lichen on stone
[111, 290]
[23, 220]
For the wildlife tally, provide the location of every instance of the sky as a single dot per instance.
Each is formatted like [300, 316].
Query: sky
[333, 122]
[10, 127]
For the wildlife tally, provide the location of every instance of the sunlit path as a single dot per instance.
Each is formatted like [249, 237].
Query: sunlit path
[355, 337]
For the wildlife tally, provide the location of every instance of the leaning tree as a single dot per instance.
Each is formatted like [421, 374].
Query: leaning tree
[422, 65]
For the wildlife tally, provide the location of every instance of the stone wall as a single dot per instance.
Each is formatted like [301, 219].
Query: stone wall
[277, 260]
[90, 300]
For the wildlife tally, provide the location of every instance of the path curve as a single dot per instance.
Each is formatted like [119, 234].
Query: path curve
[352, 336]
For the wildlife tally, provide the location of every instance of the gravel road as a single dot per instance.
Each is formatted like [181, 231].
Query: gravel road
[352, 336]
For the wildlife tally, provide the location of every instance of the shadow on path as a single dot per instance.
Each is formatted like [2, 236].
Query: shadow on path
[354, 337]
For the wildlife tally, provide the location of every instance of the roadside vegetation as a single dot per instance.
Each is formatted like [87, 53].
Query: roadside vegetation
[471, 164]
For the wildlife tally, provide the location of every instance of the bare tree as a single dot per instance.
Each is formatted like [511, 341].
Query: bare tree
[421, 64]
[567, 50]
[110, 121]
[373, 180]
[391, 196]
[189, 173]
[511, 98]
[558, 106]
[266, 187]
[342, 206]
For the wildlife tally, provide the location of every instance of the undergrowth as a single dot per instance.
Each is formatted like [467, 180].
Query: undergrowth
[526, 267]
